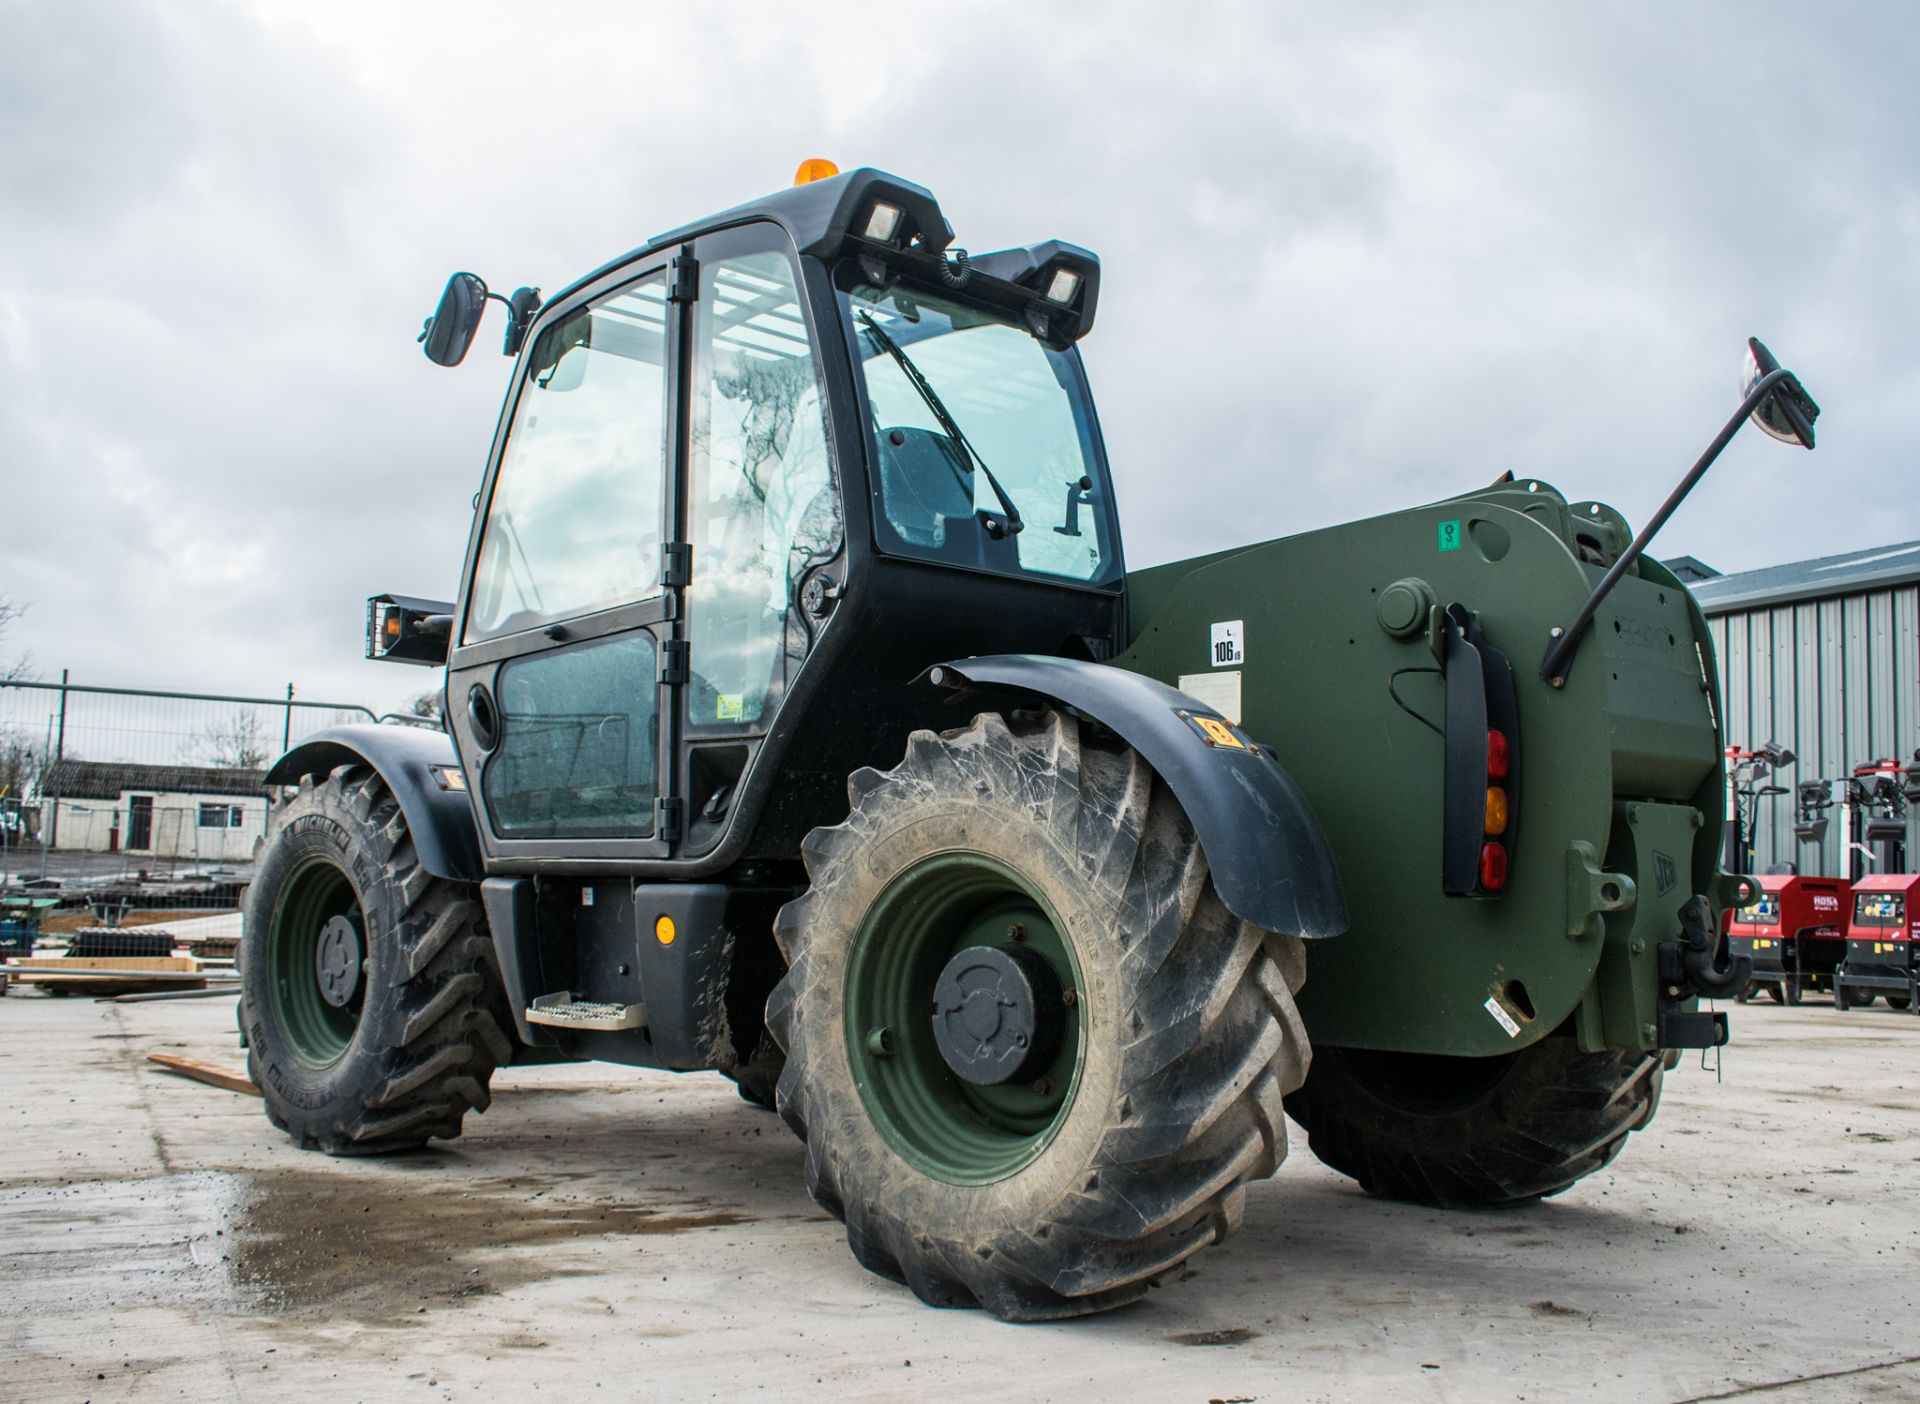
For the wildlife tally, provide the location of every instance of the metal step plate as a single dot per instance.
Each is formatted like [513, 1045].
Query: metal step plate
[565, 1012]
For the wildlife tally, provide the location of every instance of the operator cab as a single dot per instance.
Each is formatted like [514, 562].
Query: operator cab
[801, 450]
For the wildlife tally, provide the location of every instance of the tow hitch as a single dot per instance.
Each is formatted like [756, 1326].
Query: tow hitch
[1689, 968]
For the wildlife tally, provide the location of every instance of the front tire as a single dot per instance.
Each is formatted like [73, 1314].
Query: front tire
[1474, 1133]
[1166, 1038]
[369, 995]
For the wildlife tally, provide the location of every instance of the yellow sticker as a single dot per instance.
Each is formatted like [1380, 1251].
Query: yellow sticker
[730, 706]
[1218, 733]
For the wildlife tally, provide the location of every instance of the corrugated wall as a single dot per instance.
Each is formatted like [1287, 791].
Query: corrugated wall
[1838, 682]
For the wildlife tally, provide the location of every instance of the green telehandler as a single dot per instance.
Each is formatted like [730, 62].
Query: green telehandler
[803, 723]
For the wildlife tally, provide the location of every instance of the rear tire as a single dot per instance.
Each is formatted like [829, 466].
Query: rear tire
[1474, 1133]
[411, 1049]
[1899, 1002]
[1072, 1191]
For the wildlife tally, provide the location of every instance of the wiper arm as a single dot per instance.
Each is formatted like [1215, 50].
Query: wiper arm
[947, 422]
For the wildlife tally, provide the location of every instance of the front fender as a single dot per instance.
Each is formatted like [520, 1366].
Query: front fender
[407, 758]
[1270, 860]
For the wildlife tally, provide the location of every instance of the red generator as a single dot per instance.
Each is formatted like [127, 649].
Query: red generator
[1795, 932]
[1880, 944]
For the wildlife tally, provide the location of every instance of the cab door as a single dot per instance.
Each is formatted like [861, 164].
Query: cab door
[565, 651]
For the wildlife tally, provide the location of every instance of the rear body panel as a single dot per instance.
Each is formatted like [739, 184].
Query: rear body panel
[1618, 815]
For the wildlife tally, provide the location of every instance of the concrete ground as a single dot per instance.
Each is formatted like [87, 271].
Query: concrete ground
[616, 1235]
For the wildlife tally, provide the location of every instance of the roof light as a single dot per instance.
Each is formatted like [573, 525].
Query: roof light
[814, 168]
[1064, 287]
[883, 223]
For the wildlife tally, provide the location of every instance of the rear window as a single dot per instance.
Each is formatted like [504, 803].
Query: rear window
[1879, 909]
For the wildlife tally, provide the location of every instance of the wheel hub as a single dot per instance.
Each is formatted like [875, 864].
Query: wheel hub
[337, 956]
[998, 1014]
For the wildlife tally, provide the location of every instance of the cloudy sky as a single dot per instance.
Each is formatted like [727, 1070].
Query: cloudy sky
[1356, 258]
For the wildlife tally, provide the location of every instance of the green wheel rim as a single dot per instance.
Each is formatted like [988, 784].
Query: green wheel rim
[317, 1032]
[944, 1126]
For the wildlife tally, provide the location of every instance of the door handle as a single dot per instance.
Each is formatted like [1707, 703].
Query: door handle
[483, 717]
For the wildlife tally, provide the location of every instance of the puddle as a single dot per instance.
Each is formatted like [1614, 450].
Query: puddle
[378, 1248]
[384, 1249]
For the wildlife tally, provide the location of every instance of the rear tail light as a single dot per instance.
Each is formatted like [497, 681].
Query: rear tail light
[1482, 775]
[1493, 866]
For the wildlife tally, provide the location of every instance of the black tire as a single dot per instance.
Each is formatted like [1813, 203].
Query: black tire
[1775, 992]
[417, 1051]
[1900, 1002]
[1187, 1038]
[1474, 1133]
[758, 1079]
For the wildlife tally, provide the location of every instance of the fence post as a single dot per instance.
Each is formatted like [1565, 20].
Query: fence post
[59, 753]
[286, 731]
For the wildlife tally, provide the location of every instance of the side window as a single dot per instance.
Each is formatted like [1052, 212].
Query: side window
[580, 734]
[762, 501]
[574, 521]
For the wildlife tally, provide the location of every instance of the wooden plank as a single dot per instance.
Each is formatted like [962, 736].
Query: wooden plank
[211, 1073]
[77, 964]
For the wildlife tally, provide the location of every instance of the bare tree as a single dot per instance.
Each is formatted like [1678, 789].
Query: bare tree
[19, 669]
[427, 705]
[237, 741]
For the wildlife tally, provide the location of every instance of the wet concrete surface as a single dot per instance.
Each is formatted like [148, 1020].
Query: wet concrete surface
[644, 1236]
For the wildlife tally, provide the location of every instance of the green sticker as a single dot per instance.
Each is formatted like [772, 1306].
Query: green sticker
[1450, 535]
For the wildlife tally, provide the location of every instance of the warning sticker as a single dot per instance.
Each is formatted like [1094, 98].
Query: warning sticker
[1218, 733]
[1501, 1017]
[1229, 643]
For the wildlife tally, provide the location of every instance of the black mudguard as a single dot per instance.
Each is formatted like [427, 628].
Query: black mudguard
[440, 819]
[1270, 859]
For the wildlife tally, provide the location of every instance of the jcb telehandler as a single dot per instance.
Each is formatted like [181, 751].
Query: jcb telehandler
[805, 724]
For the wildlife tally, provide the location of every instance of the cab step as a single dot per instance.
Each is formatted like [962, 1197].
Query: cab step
[563, 1011]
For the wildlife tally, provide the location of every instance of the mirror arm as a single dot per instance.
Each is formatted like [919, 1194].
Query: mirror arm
[1553, 667]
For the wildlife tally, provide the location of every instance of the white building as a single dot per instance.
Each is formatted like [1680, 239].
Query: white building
[194, 812]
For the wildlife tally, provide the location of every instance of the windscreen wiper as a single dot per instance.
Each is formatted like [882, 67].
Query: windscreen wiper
[1013, 524]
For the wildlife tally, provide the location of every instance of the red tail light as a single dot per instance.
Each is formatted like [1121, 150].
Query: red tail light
[1493, 866]
[1499, 755]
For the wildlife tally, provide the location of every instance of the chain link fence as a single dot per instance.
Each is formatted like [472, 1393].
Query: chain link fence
[130, 805]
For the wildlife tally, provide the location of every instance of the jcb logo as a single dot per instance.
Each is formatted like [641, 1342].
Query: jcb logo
[1665, 872]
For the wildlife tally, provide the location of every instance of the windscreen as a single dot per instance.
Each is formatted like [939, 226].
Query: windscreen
[966, 406]
[1765, 912]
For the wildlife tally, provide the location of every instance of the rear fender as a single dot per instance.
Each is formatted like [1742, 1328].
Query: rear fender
[1271, 862]
[421, 768]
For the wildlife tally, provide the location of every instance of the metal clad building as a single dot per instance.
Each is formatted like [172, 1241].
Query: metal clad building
[1822, 656]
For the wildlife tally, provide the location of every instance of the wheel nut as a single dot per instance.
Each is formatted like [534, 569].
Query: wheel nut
[1017, 931]
[1070, 998]
[1043, 1087]
[880, 1042]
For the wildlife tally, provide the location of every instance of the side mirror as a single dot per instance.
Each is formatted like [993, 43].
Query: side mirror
[1788, 413]
[448, 333]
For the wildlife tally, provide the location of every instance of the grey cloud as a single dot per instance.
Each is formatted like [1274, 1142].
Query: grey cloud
[1354, 259]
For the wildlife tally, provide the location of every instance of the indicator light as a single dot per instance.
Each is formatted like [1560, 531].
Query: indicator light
[1496, 810]
[663, 931]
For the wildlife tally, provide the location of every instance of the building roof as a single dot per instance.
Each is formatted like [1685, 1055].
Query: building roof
[1851, 573]
[83, 779]
[1691, 569]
